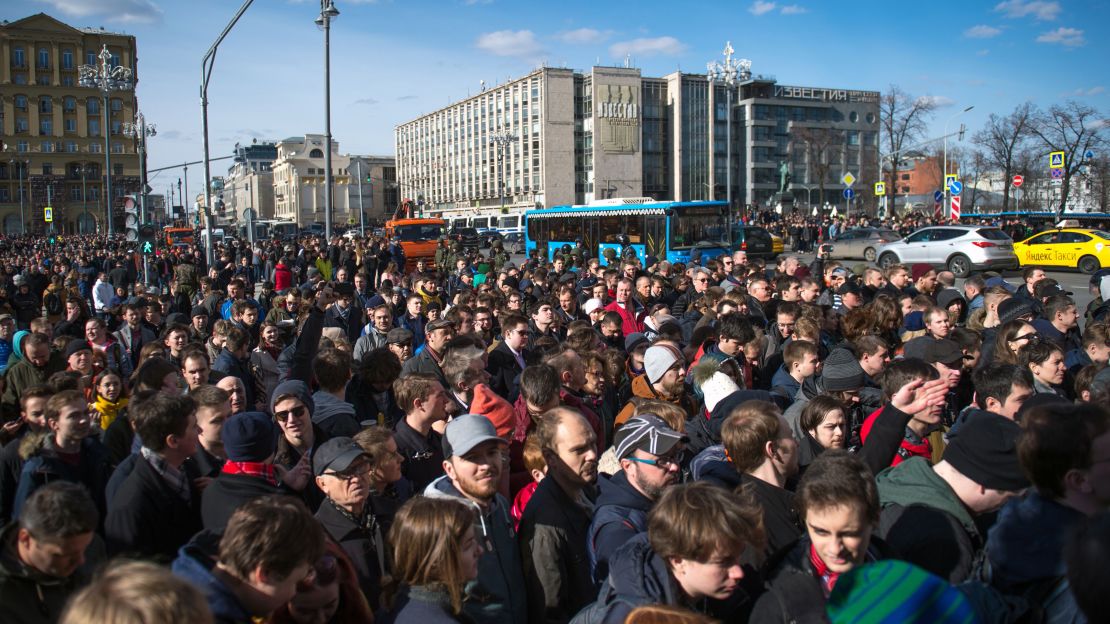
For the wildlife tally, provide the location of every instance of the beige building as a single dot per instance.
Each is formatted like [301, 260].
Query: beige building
[53, 129]
[249, 184]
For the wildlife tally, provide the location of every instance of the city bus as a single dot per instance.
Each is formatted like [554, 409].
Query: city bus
[664, 230]
[178, 236]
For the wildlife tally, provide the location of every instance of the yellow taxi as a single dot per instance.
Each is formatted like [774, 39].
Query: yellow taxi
[777, 244]
[1082, 248]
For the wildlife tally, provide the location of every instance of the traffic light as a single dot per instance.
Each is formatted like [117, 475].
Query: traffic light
[131, 218]
[148, 239]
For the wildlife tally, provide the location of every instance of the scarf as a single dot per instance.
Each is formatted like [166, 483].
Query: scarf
[252, 469]
[108, 410]
[826, 576]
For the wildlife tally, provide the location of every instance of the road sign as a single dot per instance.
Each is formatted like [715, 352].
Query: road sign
[956, 187]
[955, 208]
[1057, 173]
[949, 179]
[48, 214]
[880, 189]
[849, 193]
[1017, 193]
[1056, 160]
[848, 179]
[1089, 154]
[1018, 181]
[938, 197]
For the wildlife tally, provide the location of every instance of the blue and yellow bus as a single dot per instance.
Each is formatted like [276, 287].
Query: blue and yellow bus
[662, 230]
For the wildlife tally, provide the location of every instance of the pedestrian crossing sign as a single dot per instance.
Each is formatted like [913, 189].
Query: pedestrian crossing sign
[48, 214]
[1056, 160]
[880, 189]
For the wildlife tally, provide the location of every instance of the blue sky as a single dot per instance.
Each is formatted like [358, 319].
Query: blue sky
[394, 60]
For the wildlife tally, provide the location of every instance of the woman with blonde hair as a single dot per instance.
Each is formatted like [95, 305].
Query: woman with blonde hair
[435, 554]
[136, 592]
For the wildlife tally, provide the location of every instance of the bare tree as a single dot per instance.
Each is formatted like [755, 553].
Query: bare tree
[904, 120]
[1072, 128]
[976, 165]
[1002, 138]
[817, 144]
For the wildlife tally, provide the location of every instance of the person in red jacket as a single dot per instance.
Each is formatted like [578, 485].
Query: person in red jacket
[283, 276]
[625, 306]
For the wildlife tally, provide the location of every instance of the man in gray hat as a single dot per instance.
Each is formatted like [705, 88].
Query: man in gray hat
[476, 459]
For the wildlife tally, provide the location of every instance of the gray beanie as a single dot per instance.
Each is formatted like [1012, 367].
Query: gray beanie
[295, 388]
[842, 371]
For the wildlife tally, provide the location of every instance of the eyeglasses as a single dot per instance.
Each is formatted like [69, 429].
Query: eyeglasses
[403, 345]
[295, 412]
[659, 462]
[360, 470]
[1031, 337]
[702, 280]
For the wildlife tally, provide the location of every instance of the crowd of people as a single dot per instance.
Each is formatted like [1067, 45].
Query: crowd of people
[325, 431]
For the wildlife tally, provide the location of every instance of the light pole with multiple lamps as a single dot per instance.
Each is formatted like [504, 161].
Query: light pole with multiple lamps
[139, 130]
[501, 141]
[328, 12]
[727, 73]
[106, 79]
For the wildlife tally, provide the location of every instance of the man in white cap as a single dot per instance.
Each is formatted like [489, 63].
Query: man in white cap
[664, 379]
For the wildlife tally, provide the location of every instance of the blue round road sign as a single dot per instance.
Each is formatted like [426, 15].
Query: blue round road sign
[849, 193]
[956, 187]
[938, 196]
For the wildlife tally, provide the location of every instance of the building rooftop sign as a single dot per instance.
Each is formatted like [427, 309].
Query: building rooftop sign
[825, 95]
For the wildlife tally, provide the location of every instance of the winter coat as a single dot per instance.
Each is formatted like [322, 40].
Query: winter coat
[22, 375]
[504, 371]
[421, 605]
[925, 523]
[644, 390]
[553, 536]
[194, 563]
[1026, 544]
[423, 455]
[704, 429]
[29, 597]
[45, 466]
[630, 324]
[499, 593]
[147, 519]
[333, 416]
[620, 514]
[870, 399]
[229, 492]
[365, 547]
[283, 277]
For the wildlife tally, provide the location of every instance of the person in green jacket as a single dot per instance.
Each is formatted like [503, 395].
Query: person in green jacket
[36, 367]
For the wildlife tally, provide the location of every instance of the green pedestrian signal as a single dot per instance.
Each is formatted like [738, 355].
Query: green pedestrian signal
[147, 239]
[148, 248]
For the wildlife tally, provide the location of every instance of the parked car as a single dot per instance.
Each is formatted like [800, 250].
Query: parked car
[513, 242]
[486, 238]
[959, 248]
[862, 243]
[757, 241]
[468, 236]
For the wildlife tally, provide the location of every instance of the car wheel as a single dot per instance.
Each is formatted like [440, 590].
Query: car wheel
[887, 260]
[869, 254]
[1089, 264]
[959, 265]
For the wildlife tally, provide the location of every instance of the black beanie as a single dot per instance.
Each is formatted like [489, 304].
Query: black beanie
[984, 449]
[842, 371]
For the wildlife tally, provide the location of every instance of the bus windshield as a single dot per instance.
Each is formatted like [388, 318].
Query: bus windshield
[698, 227]
[418, 232]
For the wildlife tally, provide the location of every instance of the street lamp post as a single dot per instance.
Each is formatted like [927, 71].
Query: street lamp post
[727, 74]
[106, 79]
[361, 210]
[86, 169]
[139, 130]
[501, 141]
[944, 178]
[20, 165]
[328, 12]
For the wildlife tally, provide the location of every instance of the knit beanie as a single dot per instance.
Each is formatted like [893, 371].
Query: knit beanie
[249, 437]
[842, 371]
[717, 387]
[1013, 309]
[658, 359]
[920, 270]
[984, 449]
[294, 388]
[896, 592]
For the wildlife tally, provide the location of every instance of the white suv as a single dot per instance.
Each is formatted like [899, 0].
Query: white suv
[959, 248]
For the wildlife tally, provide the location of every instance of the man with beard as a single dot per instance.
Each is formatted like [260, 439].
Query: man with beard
[475, 458]
[650, 455]
[664, 379]
[553, 531]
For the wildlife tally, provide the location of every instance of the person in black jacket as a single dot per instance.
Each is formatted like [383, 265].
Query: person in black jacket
[508, 359]
[250, 440]
[157, 509]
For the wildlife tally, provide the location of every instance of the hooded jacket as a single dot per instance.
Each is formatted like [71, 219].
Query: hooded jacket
[194, 563]
[621, 514]
[925, 522]
[334, 416]
[498, 594]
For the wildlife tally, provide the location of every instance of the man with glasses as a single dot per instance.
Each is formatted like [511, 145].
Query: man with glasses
[399, 343]
[342, 470]
[375, 333]
[293, 408]
[699, 277]
[476, 457]
[509, 358]
[650, 455]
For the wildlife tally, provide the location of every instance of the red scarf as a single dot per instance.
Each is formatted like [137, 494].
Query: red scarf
[252, 469]
[827, 577]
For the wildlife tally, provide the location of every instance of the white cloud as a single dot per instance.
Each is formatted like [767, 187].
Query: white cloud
[938, 101]
[474, 2]
[982, 31]
[793, 9]
[759, 7]
[521, 43]
[1070, 37]
[1046, 11]
[1086, 92]
[366, 101]
[583, 36]
[647, 46]
[122, 11]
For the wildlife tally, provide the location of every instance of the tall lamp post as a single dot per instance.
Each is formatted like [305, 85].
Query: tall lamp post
[361, 210]
[328, 12]
[106, 79]
[139, 130]
[944, 179]
[726, 73]
[86, 171]
[502, 141]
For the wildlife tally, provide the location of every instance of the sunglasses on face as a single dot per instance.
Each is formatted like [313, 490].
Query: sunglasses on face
[295, 412]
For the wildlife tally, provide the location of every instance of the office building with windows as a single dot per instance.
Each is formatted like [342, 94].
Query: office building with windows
[53, 129]
[568, 137]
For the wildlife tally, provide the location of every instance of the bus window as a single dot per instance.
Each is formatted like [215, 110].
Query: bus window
[634, 228]
[481, 224]
[510, 222]
[609, 226]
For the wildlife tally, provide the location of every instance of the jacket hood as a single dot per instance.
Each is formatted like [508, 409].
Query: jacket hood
[194, 563]
[328, 406]
[811, 387]
[720, 472]
[618, 492]
[1027, 541]
[640, 576]
[913, 482]
[947, 296]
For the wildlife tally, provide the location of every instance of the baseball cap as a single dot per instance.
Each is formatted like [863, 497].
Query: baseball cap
[465, 432]
[337, 454]
[648, 433]
[849, 288]
[943, 351]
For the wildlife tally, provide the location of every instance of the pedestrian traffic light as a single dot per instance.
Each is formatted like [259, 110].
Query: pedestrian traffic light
[148, 239]
[131, 218]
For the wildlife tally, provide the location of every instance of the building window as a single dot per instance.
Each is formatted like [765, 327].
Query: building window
[20, 124]
[44, 58]
[94, 192]
[3, 194]
[75, 193]
[23, 146]
[71, 125]
[46, 127]
[67, 81]
[117, 105]
[853, 117]
[69, 104]
[117, 148]
[92, 106]
[90, 58]
[18, 57]
[47, 147]
[71, 147]
[67, 59]
[853, 136]
[117, 127]
[117, 169]
[114, 60]
[43, 80]
[46, 104]
[21, 102]
[316, 153]
[19, 79]
[94, 127]
[96, 148]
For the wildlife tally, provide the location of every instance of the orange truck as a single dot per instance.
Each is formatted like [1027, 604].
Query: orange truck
[418, 237]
